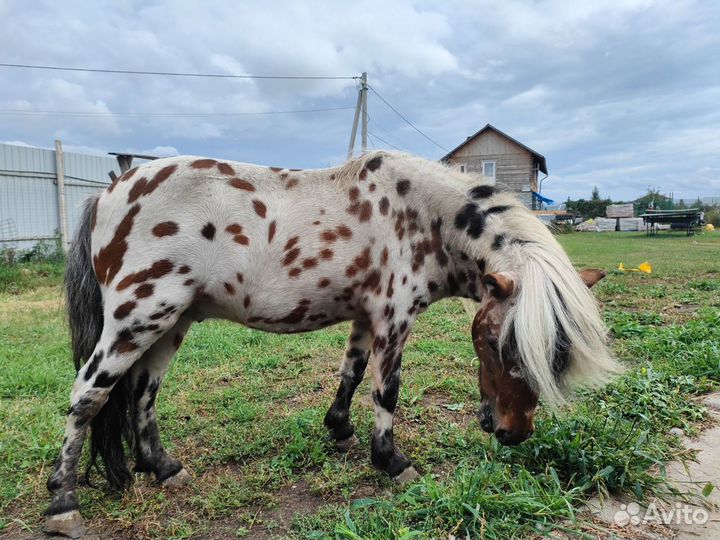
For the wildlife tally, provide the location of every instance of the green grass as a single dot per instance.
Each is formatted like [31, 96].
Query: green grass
[19, 278]
[243, 410]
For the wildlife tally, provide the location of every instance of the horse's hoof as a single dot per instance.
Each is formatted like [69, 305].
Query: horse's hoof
[177, 480]
[408, 475]
[344, 445]
[68, 524]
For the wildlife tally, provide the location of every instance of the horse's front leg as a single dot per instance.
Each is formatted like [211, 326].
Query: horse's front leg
[387, 347]
[337, 419]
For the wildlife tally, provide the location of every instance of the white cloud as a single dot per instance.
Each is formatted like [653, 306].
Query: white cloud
[620, 93]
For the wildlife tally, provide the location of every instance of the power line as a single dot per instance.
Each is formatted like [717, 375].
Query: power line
[406, 120]
[383, 140]
[176, 74]
[99, 114]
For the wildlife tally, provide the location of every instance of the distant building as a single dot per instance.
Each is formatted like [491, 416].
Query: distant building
[504, 160]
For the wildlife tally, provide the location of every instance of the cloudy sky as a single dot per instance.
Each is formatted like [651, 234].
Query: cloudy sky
[622, 95]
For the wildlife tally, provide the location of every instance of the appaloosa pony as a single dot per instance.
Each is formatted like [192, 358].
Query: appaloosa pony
[374, 241]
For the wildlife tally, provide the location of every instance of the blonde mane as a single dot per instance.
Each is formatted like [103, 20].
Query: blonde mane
[554, 313]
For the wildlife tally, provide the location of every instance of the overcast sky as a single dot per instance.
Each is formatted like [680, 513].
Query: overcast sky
[622, 95]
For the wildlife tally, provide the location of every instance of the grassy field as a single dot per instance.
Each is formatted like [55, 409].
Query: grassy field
[243, 410]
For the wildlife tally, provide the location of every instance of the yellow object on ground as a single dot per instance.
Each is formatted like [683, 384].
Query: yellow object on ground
[709, 227]
[645, 267]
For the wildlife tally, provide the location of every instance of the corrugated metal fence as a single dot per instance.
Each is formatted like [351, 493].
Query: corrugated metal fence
[29, 194]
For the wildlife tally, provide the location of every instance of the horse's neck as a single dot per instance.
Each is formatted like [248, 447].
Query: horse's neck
[466, 257]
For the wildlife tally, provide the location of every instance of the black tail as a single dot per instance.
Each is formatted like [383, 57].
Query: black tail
[111, 425]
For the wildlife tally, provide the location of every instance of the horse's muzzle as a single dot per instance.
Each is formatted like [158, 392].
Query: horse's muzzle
[511, 438]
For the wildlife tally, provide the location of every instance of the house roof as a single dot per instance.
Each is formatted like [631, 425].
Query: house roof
[542, 164]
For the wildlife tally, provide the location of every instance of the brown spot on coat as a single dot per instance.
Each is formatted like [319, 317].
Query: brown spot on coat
[343, 231]
[324, 282]
[144, 290]
[372, 281]
[365, 211]
[229, 287]
[328, 236]
[384, 256]
[295, 316]
[184, 269]
[354, 193]
[203, 163]
[166, 228]
[143, 187]
[271, 230]
[436, 243]
[291, 243]
[123, 310]
[384, 206]
[239, 183]
[238, 237]
[276, 169]
[291, 256]
[240, 277]
[402, 187]
[291, 183]
[294, 272]
[246, 302]
[374, 163]
[326, 254]
[225, 168]
[260, 208]
[361, 262]
[128, 174]
[391, 281]
[123, 344]
[310, 262]
[108, 261]
[156, 271]
[188, 282]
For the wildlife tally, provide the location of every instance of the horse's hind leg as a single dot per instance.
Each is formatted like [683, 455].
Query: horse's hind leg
[146, 376]
[337, 419]
[111, 359]
[119, 347]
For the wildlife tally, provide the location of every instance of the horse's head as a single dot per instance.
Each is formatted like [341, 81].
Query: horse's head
[509, 399]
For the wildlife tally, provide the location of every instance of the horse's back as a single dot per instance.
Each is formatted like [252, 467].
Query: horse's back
[224, 230]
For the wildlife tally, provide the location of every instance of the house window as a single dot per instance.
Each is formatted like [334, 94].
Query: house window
[462, 168]
[488, 170]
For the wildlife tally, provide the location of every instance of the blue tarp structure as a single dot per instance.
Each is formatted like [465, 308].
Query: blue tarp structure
[542, 199]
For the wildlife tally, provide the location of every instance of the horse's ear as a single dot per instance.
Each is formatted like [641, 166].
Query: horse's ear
[499, 284]
[591, 276]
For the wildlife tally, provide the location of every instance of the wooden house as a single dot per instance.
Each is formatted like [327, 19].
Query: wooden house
[505, 161]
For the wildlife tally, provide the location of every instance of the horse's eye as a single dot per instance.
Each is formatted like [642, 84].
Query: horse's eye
[516, 372]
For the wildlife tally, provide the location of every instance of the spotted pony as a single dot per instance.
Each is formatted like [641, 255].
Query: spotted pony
[374, 241]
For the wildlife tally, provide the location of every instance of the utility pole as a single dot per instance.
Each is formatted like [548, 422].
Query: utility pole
[360, 106]
[60, 177]
[364, 90]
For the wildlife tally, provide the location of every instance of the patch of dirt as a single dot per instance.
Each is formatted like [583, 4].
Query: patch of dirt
[459, 413]
[678, 313]
[275, 520]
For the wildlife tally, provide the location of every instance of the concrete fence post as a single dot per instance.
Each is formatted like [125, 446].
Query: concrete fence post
[62, 214]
